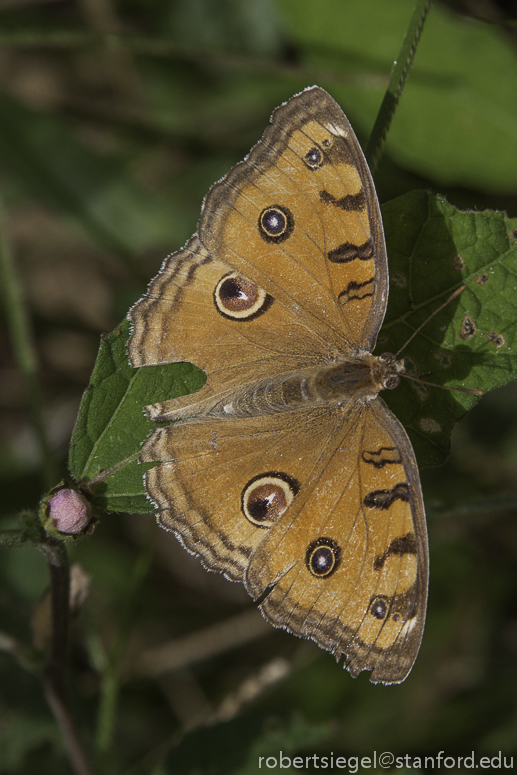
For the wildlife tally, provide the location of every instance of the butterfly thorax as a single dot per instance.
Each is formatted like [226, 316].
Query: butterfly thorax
[362, 377]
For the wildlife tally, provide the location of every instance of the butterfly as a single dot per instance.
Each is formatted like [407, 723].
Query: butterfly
[287, 471]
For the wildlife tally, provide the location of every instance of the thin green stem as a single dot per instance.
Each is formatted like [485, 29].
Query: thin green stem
[396, 83]
[25, 354]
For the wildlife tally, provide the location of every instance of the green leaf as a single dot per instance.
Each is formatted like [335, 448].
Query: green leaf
[111, 424]
[433, 250]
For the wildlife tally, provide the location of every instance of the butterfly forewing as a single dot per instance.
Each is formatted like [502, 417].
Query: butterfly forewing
[178, 320]
[300, 217]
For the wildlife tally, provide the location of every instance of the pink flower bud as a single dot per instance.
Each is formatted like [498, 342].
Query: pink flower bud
[69, 511]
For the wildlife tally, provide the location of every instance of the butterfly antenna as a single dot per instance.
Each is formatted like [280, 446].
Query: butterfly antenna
[455, 295]
[472, 391]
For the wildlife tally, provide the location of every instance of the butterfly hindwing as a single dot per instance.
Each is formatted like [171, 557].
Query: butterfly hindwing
[348, 568]
[210, 473]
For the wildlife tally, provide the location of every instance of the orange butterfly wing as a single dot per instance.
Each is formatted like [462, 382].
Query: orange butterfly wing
[328, 264]
[317, 506]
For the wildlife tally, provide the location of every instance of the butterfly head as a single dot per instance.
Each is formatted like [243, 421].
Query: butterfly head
[390, 371]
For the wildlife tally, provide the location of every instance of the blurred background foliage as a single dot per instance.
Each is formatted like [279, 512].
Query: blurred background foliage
[115, 118]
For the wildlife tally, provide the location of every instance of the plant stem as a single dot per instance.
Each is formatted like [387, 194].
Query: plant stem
[399, 74]
[25, 354]
[63, 715]
[53, 675]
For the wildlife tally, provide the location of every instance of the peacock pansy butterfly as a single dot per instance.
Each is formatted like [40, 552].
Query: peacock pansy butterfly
[287, 471]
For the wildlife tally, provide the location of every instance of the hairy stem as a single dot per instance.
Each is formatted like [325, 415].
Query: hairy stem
[396, 84]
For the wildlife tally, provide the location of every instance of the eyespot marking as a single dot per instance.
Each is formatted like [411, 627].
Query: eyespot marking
[323, 557]
[267, 496]
[238, 298]
[379, 606]
[400, 608]
[314, 159]
[275, 224]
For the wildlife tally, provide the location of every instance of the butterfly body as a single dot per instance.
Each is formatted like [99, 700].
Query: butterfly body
[287, 471]
[343, 384]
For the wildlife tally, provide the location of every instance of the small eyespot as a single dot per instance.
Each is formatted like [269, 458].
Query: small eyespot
[313, 158]
[379, 607]
[391, 382]
[238, 298]
[275, 224]
[323, 557]
[267, 496]
[326, 143]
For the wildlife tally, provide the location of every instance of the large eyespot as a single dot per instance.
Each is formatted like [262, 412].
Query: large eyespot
[267, 496]
[379, 607]
[322, 557]
[275, 224]
[314, 159]
[238, 298]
